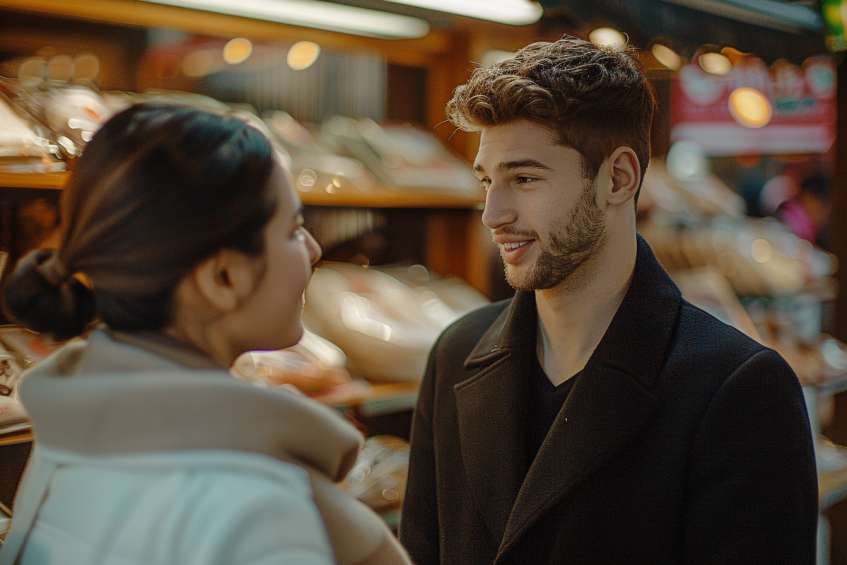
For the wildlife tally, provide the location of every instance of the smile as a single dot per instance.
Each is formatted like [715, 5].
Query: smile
[515, 245]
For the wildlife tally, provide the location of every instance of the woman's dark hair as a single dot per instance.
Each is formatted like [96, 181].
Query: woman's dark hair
[159, 188]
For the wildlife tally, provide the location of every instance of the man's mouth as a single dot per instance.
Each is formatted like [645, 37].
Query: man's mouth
[514, 251]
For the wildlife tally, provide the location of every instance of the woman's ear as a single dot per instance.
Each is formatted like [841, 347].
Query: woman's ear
[626, 176]
[226, 279]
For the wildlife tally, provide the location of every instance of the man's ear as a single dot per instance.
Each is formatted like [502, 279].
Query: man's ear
[226, 279]
[626, 176]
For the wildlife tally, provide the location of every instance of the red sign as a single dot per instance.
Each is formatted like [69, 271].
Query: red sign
[802, 102]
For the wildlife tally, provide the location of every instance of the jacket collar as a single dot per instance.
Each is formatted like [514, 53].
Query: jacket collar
[651, 298]
[609, 404]
[103, 397]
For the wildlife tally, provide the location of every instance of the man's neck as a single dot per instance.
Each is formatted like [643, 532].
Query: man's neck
[574, 316]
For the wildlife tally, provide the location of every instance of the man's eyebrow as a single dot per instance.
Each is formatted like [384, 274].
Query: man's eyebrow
[512, 165]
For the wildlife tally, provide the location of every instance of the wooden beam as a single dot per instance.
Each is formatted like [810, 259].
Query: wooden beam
[143, 14]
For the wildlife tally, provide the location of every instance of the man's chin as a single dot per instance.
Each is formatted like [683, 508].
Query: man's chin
[519, 281]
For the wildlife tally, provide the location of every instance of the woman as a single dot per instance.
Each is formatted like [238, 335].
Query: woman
[182, 236]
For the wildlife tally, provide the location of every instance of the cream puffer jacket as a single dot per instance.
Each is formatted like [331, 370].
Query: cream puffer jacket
[142, 460]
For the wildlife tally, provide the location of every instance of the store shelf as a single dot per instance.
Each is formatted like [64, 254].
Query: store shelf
[55, 181]
[373, 398]
[376, 198]
[15, 438]
[391, 198]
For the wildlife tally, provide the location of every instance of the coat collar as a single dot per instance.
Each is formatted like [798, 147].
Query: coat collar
[103, 397]
[609, 404]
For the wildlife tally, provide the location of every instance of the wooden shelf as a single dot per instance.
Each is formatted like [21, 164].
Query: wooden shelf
[14, 438]
[55, 181]
[374, 398]
[133, 13]
[377, 198]
[390, 198]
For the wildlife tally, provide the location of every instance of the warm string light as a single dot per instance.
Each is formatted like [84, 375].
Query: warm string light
[666, 56]
[606, 36]
[237, 50]
[749, 107]
[715, 63]
[303, 55]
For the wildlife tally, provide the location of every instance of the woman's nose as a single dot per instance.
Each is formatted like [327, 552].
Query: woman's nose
[314, 248]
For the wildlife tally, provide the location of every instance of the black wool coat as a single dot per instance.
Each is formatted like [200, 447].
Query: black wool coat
[682, 441]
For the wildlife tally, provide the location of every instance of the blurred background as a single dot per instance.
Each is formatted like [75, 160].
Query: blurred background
[744, 201]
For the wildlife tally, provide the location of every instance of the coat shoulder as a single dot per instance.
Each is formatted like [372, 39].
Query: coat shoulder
[460, 337]
[714, 350]
[702, 333]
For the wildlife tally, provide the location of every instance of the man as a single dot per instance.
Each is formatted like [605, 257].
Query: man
[596, 417]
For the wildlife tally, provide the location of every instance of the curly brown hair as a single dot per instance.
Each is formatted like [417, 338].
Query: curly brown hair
[594, 98]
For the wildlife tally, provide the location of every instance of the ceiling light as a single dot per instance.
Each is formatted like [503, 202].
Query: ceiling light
[715, 63]
[303, 55]
[237, 50]
[749, 107]
[313, 14]
[606, 36]
[514, 12]
[667, 56]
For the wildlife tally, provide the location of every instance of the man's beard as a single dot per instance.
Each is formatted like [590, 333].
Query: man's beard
[572, 243]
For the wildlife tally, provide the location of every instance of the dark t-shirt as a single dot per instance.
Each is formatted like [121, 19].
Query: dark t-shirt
[545, 403]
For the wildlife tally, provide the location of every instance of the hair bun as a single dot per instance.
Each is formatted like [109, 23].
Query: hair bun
[42, 295]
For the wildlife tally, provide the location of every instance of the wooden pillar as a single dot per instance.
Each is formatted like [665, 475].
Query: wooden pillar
[448, 70]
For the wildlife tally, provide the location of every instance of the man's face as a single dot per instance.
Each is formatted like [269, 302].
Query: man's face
[542, 213]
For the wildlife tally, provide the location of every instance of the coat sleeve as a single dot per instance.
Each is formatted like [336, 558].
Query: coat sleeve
[753, 480]
[418, 529]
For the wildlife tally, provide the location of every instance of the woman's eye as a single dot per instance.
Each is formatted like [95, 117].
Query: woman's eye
[298, 234]
[485, 183]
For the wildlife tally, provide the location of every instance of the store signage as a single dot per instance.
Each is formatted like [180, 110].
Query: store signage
[802, 103]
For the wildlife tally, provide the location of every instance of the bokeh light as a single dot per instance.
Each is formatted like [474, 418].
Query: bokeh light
[667, 56]
[715, 63]
[606, 36]
[749, 107]
[303, 55]
[237, 51]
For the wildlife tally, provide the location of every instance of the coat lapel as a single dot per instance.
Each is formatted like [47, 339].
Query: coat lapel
[609, 404]
[492, 411]
[603, 412]
[612, 400]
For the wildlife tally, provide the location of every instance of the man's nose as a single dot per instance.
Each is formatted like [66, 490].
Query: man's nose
[499, 209]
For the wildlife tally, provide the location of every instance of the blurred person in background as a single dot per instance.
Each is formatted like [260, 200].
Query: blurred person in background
[181, 235]
[596, 417]
[806, 212]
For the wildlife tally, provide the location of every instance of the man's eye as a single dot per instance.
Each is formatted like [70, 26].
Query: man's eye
[525, 180]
